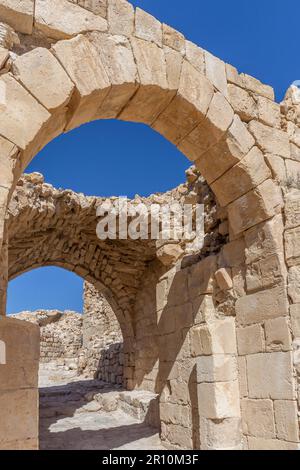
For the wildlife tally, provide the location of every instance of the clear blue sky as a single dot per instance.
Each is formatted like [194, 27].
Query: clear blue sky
[259, 37]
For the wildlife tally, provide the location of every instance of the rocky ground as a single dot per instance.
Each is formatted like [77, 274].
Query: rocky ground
[77, 413]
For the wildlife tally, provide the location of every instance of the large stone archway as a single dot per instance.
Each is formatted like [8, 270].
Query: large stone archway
[71, 63]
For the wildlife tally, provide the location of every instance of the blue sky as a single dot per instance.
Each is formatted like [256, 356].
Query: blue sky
[259, 37]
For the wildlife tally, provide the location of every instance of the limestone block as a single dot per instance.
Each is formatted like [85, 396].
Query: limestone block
[229, 151]
[295, 152]
[174, 63]
[188, 108]
[201, 277]
[60, 19]
[203, 309]
[292, 246]
[270, 140]
[217, 337]
[268, 112]
[19, 415]
[254, 85]
[278, 337]
[250, 340]
[173, 39]
[267, 272]
[118, 61]
[177, 436]
[262, 305]
[147, 27]
[292, 209]
[233, 75]
[84, 66]
[216, 72]
[224, 279]
[96, 6]
[16, 102]
[153, 96]
[293, 173]
[3, 56]
[286, 417]
[294, 284]
[258, 418]
[175, 414]
[215, 435]
[218, 119]
[195, 55]
[8, 155]
[270, 375]
[264, 240]
[243, 103]
[219, 400]
[233, 253]
[40, 73]
[247, 174]
[169, 254]
[120, 14]
[18, 14]
[277, 166]
[270, 444]
[254, 207]
[217, 368]
[295, 320]
[242, 371]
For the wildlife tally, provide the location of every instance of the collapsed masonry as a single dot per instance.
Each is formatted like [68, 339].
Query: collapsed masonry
[215, 335]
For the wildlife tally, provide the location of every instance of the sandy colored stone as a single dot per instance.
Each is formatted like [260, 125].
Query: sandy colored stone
[270, 444]
[270, 140]
[147, 27]
[217, 368]
[292, 246]
[254, 207]
[218, 119]
[266, 273]
[263, 371]
[118, 61]
[257, 87]
[222, 435]
[153, 95]
[39, 72]
[242, 102]
[169, 254]
[217, 337]
[173, 39]
[3, 56]
[292, 209]
[16, 102]
[268, 112]
[85, 68]
[174, 63]
[250, 340]
[18, 14]
[195, 55]
[224, 278]
[277, 166]
[187, 109]
[60, 19]
[278, 337]
[219, 400]
[294, 284]
[258, 418]
[8, 154]
[286, 417]
[216, 72]
[263, 305]
[295, 320]
[242, 371]
[120, 14]
[230, 150]
[247, 174]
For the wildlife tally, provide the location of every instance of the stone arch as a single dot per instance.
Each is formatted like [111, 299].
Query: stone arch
[122, 63]
[144, 73]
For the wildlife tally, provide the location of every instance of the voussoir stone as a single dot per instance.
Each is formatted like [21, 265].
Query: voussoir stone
[60, 19]
[39, 71]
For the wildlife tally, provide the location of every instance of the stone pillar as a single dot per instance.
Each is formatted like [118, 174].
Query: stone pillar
[19, 402]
